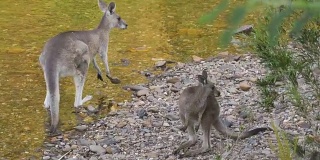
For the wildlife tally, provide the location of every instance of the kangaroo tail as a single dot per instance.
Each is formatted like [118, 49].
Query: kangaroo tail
[52, 82]
[226, 132]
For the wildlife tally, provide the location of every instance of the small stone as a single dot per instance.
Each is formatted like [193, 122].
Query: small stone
[146, 123]
[279, 84]
[303, 124]
[157, 124]
[74, 146]
[66, 148]
[246, 29]
[196, 58]
[112, 113]
[153, 109]
[173, 80]
[46, 157]
[93, 158]
[152, 155]
[236, 58]
[85, 142]
[172, 117]
[125, 62]
[154, 87]
[109, 150]
[81, 127]
[244, 86]
[166, 124]
[223, 54]
[232, 90]
[160, 64]
[173, 89]
[142, 92]
[97, 149]
[108, 141]
[141, 113]
[180, 65]
[253, 79]
[243, 114]
[133, 87]
[140, 103]
[121, 124]
[91, 108]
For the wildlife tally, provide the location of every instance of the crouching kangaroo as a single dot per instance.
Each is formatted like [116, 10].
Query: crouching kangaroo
[70, 53]
[196, 105]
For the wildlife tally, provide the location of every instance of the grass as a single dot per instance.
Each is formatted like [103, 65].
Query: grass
[289, 66]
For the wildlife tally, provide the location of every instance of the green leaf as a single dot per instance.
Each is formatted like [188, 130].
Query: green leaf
[210, 17]
[235, 19]
[300, 23]
[275, 23]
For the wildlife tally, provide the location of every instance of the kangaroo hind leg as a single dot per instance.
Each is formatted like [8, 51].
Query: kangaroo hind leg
[206, 140]
[52, 98]
[192, 139]
[82, 61]
[79, 81]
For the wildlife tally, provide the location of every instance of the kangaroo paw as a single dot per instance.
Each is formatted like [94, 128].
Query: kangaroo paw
[183, 128]
[85, 99]
[99, 77]
[197, 127]
[53, 131]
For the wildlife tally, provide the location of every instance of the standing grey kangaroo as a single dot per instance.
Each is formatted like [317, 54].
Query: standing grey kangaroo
[70, 53]
[196, 105]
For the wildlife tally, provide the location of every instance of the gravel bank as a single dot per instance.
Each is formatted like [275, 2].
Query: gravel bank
[146, 127]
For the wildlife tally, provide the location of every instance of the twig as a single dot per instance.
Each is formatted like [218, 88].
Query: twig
[64, 155]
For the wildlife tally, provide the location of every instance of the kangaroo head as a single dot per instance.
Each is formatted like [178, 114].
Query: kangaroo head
[203, 79]
[113, 18]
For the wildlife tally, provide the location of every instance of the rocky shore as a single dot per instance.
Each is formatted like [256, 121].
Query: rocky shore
[146, 126]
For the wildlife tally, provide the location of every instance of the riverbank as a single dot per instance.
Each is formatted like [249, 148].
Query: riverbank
[146, 127]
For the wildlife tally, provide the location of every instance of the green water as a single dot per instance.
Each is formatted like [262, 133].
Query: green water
[157, 29]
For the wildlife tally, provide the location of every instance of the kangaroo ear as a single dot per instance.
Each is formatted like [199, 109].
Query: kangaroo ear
[102, 5]
[201, 79]
[112, 7]
[205, 74]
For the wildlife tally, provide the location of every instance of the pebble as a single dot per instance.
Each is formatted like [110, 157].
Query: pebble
[142, 92]
[97, 149]
[91, 108]
[81, 127]
[196, 58]
[173, 80]
[244, 86]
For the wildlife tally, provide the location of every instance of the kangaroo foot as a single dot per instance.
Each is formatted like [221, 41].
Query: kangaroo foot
[99, 77]
[114, 80]
[197, 127]
[87, 98]
[195, 152]
[182, 128]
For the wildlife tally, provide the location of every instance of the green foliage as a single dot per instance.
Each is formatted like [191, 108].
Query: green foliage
[283, 149]
[310, 9]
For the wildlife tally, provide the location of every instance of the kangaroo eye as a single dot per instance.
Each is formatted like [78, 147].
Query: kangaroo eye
[119, 18]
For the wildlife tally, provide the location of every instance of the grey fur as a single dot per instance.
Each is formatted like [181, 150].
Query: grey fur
[207, 115]
[70, 53]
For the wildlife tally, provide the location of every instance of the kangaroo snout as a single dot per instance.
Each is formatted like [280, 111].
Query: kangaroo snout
[217, 93]
[123, 26]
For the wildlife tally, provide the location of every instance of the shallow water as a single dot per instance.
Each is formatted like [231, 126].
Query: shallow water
[157, 29]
